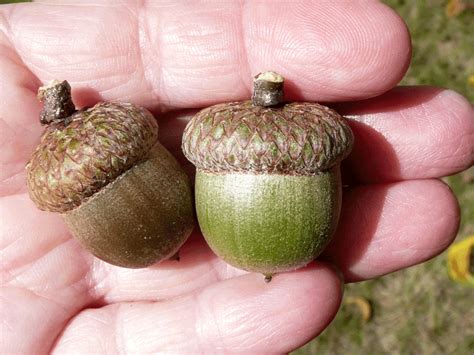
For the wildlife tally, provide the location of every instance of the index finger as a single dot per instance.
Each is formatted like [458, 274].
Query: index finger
[196, 54]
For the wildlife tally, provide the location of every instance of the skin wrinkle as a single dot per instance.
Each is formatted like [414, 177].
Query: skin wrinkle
[202, 330]
[244, 63]
[116, 287]
[207, 45]
[119, 334]
[64, 308]
[14, 131]
[106, 284]
[5, 323]
[440, 137]
[240, 329]
[75, 288]
[27, 262]
[100, 279]
[13, 273]
[143, 35]
[38, 49]
[346, 53]
[66, 311]
[469, 136]
[49, 324]
[373, 52]
[155, 49]
[18, 127]
[30, 268]
[74, 66]
[215, 337]
[410, 245]
[5, 28]
[34, 68]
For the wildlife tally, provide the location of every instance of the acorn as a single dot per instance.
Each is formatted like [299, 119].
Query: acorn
[122, 194]
[268, 184]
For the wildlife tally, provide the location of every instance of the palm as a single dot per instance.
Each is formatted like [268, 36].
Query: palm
[170, 58]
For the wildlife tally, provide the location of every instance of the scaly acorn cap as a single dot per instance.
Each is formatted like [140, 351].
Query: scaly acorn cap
[81, 153]
[263, 136]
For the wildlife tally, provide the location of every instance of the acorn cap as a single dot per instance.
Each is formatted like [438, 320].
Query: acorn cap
[298, 138]
[79, 155]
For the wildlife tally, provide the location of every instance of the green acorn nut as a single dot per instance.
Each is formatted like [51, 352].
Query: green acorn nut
[268, 185]
[122, 194]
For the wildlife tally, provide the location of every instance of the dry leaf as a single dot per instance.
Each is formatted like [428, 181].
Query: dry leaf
[363, 305]
[461, 261]
[454, 8]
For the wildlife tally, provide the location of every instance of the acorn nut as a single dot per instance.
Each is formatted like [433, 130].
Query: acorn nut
[122, 194]
[268, 185]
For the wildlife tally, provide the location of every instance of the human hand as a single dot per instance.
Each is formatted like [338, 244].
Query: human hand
[177, 58]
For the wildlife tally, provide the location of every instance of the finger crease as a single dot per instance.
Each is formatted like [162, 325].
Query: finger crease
[143, 36]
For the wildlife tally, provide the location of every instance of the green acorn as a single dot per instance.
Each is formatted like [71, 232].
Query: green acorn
[268, 185]
[122, 194]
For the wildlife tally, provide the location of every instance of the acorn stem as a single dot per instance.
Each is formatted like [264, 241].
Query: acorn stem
[267, 89]
[58, 105]
[267, 278]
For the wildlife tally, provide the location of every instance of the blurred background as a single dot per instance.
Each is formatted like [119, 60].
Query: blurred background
[420, 310]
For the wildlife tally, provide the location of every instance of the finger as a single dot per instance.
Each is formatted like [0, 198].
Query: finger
[196, 268]
[19, 132]
[387, 227]
[242, 314]
[36, 250]
[43, 277]
[27, 237]
[410, 133]
[195, 54]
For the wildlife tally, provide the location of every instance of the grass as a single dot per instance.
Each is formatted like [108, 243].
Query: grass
[12, 1]
[418, 310]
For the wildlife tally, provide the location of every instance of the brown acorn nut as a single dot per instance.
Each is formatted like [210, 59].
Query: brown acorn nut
[122, 194]
[268, 186]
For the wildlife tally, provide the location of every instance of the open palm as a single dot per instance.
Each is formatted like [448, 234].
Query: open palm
[174, 58]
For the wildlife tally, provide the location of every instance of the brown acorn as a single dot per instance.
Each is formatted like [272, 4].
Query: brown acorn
[122, 194]
[268, 184]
